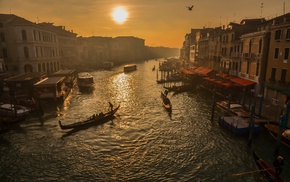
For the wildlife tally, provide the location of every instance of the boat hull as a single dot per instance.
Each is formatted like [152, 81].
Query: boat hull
[237, 125]
[265, 170]
[129, 68]
[85, 80]
[91, 121]
[274, 130]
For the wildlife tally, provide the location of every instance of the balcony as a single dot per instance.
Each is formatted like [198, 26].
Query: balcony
[246, 55]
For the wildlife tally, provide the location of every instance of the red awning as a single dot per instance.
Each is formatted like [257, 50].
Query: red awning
[242, 82]
[186, 71]
[202, 70]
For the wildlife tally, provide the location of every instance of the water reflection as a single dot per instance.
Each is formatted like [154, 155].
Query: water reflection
[141, 144]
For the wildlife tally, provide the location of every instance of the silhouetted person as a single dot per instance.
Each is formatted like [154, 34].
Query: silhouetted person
[111, 106]
[278, 163]
[166, 92]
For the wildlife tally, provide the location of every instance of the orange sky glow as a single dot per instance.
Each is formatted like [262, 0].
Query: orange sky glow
[158, 22]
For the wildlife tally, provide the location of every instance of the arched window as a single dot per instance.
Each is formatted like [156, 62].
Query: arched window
[26, 54]
[24, 36]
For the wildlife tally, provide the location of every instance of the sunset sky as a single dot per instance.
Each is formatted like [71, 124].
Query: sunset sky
[159, 22]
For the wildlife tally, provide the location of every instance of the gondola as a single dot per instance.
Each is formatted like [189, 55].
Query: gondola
[267, 171]
[93, 120]
[166, 102]
[274, 131]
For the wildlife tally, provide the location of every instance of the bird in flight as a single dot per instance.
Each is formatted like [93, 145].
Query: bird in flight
[189, 7]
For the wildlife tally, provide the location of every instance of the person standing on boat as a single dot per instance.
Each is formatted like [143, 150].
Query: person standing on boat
[278, 163]
[111, 106]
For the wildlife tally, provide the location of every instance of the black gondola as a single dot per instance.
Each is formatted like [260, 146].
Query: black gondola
[267, 171]
[93, 120]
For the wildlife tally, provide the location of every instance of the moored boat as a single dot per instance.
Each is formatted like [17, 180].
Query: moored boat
[238, 125]
[95, 119]
[274, 130]
[233, 107]
[85, 80]
[13, 110]
[130, 67]
[267, 171]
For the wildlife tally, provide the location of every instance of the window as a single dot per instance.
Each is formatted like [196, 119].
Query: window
[283, 76]
[260, 46]
[250, 46]
[257, 69]
[273, 74]
[278, 34]
[276, 54]
[26, 54]
[2, 37]
[286, 54]
[24, 36]
[4, 51]
[288, 34]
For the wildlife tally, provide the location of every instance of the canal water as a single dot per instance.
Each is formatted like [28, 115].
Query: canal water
[142, 143]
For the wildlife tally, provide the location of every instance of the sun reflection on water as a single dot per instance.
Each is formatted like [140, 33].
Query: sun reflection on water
[122, 84]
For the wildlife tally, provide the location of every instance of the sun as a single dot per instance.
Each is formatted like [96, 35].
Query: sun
[119, 15]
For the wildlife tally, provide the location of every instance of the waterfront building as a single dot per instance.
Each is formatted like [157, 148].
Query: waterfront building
[66, 41]
[27, 46]
[277, 82]
[254, 58]
[126, 49]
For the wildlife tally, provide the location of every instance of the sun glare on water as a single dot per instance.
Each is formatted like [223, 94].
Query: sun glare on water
[119, 15]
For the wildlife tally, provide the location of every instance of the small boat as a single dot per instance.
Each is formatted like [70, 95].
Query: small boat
[238, 125]
[130, 67]
[93, 120]
[85, 80]
[234, 108]
[267, 171]
[13, 110]
[178, 88]
[166, 102]
[274, 130]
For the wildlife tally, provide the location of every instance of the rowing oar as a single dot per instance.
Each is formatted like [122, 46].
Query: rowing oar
[249, 172]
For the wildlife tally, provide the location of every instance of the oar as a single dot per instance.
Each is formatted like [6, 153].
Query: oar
[249, 172]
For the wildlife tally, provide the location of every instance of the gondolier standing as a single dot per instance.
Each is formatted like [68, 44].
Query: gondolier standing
[111, 106]
[278, 163]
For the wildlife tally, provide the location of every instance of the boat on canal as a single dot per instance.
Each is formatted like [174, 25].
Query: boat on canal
[238, 125]
[274, 130]
[15, 110]
[233, 107]
[95, 119]
[166, 102]
[267, 171]
[130, 67]
[85, 80]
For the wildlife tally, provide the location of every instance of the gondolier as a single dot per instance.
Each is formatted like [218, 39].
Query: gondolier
[278, 163]
[111, 106]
